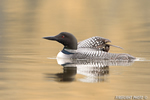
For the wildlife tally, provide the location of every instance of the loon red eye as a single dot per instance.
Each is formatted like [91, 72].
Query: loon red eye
[63, 36]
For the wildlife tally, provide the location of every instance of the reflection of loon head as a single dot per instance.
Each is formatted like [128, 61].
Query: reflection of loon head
[68, 75]
[67, 39]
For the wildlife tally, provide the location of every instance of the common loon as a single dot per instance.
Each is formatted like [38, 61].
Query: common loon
[91, 48]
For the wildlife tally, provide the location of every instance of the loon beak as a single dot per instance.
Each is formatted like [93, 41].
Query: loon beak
[50, 38]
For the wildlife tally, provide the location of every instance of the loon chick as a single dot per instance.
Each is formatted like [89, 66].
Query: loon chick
[92, 48]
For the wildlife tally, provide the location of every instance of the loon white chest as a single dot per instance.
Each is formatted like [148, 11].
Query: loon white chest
[66, 53]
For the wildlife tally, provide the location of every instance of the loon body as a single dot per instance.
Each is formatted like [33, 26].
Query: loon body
[92, 48]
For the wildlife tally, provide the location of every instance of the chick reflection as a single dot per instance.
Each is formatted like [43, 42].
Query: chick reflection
[94, 74]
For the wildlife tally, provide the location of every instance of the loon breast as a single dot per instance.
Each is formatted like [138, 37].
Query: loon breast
[63, 55]
[66, 53]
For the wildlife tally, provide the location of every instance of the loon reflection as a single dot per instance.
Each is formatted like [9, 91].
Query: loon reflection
[93, 70]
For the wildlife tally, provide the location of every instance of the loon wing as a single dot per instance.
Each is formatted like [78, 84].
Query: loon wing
[93, 42]
[96, 43]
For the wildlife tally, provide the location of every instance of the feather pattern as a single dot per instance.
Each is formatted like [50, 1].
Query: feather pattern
[89, 53]
[97, 42]
[93, 42]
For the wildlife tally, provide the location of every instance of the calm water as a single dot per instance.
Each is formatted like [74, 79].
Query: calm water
[29, 70]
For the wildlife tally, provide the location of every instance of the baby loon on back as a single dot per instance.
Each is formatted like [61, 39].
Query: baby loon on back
[92, 48]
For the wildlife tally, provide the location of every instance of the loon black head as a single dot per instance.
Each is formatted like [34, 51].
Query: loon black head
[67, 39]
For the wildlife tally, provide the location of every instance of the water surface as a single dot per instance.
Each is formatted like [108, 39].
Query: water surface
[27, 73]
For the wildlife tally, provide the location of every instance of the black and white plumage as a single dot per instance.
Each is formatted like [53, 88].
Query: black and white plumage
[93, 42]
[92, 48]
[96, 42]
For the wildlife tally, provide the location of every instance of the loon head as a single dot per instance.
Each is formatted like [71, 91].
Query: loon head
[67, 39]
